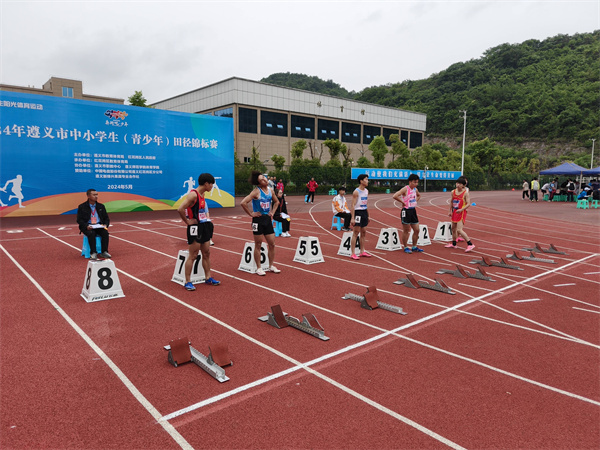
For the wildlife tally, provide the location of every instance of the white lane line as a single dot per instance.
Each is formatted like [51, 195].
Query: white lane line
[565, 284]
[592, 273]
[588, 310]
[528, 300]
[128, 384]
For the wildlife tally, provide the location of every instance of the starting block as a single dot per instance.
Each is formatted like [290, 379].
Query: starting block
[423, 236]
[462, 273]
[439, 284]
[389, 239]
[309, 324]
[531, 257]
[371, 301]
[181, 351]
[197, 275]
[487, 262]
[247, 264]
[101, 281]
[346, 247]
[538, 248]
[308, 251]
[443, 232]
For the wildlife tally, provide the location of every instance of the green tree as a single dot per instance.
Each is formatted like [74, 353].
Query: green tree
[298, 148]
[364, 162]
[138, 99]
[378, 150]
[278, 161]
[255, 162]
[335, 148]
[399, 148]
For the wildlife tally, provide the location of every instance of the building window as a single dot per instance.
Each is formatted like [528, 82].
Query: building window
[67, 92]
[351, 132]
[227, 112]
[369, 133]
[404, 137]
[247, 122]
[328, 129]
[303, 127]
[272, 123]
[387, 132]
[416, 139]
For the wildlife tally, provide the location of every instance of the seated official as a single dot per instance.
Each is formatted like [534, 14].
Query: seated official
[93, 221]
[281, 214]
[340, 208]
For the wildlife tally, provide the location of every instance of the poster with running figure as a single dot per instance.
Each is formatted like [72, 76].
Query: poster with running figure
[54, 149]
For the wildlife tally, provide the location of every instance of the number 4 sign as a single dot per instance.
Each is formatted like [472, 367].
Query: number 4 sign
[309, 251]
[101, 281]
[197, 275]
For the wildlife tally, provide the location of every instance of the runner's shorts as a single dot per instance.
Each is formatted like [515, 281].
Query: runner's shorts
[262, 225]
[201, 232]
[409, 216]
[361, 217]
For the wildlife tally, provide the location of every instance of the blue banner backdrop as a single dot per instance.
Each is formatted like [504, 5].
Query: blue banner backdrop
[54, 149]
[402, 174]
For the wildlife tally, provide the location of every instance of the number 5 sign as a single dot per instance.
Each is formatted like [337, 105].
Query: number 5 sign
[309, 251]
[101, 281]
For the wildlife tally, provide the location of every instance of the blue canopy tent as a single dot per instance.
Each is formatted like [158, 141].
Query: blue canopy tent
[592, 172]
[567, 168]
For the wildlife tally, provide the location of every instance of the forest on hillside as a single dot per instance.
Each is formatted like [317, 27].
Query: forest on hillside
[533, 91]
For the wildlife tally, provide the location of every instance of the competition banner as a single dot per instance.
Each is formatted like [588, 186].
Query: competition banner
[53, 149]
[403, 174]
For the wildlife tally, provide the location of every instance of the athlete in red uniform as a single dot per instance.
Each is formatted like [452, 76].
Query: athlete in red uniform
[458, 213]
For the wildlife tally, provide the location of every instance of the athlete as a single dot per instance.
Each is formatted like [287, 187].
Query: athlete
[408, 197]
[360, 215]
[194, 212]
[458, 213]
[264, 203]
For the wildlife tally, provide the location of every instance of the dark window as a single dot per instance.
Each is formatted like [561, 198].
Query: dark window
[227, 112]
[416, 139]
[404, 137]
[328, 129]
[351, 132]
[303, 127]
[272, 123]
[247, 120]
[369, 133]
[386, 134]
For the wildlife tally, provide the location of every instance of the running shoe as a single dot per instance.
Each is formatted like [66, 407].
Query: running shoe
[365, 254]
[274, 269]
[450, 245]
[459, 239]
[417, 249]
[407, 250]
[345, 229]
[189, 286]
[260, 272]
[469, 248]
[354, 256]
[212, 282]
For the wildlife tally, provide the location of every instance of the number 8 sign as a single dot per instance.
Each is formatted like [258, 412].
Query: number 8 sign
[101, 281]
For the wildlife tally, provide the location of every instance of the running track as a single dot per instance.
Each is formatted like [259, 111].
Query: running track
[507, 364]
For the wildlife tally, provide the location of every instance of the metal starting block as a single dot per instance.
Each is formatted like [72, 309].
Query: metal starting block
[371, 301]
[487, 262]
[531, 257]
[181, 351]
[538, 248]
[460, 272]
[411, 282]
[309, 324]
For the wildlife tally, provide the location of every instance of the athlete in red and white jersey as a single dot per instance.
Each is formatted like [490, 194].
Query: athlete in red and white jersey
[459, 203]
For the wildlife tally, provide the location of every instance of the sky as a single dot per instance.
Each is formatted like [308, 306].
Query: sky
[165, 48]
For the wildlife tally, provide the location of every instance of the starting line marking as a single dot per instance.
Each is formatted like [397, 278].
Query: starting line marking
[566, 284]
[528, 300]
[588, 310]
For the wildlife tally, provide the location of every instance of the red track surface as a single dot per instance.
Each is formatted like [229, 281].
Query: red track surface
[480, 369]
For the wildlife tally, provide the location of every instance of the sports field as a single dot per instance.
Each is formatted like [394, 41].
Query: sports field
[507, 362]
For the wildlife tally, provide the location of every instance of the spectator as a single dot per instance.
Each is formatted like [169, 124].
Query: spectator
[280, 185]
[525, 189]
[570, 191]
[93, 221]
[535, 187]
[281, 214]
[312, 188]
[340, 208]
[595, 189]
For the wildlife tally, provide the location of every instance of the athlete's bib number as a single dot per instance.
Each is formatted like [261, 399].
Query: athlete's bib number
[193, 230]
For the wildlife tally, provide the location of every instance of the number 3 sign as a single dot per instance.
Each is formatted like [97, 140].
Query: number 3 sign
[101, 281]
